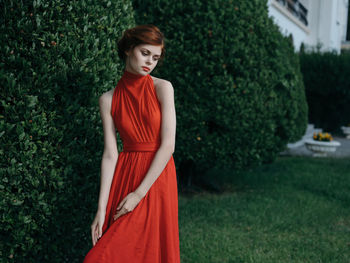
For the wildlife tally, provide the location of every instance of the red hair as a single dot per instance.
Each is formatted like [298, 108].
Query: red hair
[141, 34]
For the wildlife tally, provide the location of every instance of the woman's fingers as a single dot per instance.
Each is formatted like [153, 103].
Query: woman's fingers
[99, 232]
[127, 204]
[121, 204]
[119, 213]
[96, 227]
[120, 209]
[96, 234]
[92, 237]
[93, 234]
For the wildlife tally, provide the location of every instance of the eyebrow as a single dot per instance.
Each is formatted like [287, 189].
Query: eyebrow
[151, 52]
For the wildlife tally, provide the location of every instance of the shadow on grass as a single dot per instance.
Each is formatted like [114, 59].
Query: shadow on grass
[327, 177]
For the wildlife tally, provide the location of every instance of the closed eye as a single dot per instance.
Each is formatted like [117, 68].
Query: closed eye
[146, 54]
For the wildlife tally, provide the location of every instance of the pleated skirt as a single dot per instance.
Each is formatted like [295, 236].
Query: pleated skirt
[149, 233]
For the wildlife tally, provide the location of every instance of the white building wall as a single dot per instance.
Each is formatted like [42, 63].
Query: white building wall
[328, 29]
[287, 23]
[314, 21]
[343, 12]
[327, 22]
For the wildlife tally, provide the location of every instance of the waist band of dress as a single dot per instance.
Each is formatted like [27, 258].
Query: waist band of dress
[141, 147]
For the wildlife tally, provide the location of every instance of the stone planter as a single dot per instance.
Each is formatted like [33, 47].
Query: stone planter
[346, 131]
[321, 149]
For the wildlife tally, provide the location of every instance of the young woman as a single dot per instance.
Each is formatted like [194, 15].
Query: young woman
[137, 216]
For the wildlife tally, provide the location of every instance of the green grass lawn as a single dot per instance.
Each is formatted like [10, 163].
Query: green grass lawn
[294, 210]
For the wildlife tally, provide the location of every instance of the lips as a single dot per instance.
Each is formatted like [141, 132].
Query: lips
[146, 69]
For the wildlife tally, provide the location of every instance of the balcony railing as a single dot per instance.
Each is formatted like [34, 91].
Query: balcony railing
[295, 8]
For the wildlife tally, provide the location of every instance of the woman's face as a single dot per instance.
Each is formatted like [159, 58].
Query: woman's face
[142, 59]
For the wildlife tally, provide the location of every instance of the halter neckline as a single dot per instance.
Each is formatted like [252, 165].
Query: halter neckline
[130, 75]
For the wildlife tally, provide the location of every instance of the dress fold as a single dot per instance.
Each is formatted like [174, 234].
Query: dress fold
[149, 233]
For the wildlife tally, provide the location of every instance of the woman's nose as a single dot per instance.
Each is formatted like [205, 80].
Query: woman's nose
[149, 60]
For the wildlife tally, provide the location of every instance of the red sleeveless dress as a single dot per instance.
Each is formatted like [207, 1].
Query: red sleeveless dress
[149, 233]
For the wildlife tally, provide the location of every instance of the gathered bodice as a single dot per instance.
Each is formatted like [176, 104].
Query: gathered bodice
[136, 112]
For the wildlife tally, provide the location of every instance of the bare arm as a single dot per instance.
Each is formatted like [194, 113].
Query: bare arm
[109, 159]
[165, 95]
[110, 153]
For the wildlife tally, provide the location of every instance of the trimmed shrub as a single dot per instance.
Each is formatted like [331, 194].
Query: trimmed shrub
[57, 57]
[238, 88]
[327, 86]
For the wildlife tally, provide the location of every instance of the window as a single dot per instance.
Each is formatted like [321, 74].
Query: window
[296, 8]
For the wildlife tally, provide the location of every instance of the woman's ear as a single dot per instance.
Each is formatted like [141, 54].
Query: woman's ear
[127, 52]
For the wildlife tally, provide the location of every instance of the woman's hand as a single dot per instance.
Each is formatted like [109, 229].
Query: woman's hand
[128, 204]
[96, 226]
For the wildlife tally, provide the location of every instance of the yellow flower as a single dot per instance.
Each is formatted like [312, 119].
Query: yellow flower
[322, 136]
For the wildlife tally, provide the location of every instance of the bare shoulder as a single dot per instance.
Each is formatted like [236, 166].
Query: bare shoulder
[163, 87]
[160, 82]
[105, 100]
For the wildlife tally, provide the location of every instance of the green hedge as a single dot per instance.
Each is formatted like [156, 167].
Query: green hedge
[327, 85]
[57, 57]
[239, 100]
[238, 88]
